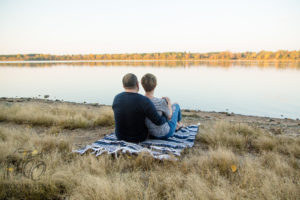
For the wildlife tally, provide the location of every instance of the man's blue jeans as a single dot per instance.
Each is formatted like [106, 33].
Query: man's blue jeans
[176, 117]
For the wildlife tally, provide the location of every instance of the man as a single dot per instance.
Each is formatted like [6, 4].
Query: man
[130, 111]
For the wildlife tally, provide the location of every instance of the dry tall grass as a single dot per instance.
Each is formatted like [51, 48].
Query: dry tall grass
[63, 115]
[267, 167]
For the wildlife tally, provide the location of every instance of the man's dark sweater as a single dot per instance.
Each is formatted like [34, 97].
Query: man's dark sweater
[130, 110]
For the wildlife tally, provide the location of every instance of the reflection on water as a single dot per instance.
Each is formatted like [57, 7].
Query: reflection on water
[158, 63]
[252, 88]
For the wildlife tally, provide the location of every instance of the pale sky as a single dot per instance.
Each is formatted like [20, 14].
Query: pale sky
[129, 26]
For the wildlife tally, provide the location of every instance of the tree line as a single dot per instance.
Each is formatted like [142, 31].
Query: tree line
[225, 55]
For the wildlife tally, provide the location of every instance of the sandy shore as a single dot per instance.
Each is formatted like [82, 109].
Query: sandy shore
[85, 136]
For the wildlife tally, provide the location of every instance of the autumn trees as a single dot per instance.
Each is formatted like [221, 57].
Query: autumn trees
[225, 55]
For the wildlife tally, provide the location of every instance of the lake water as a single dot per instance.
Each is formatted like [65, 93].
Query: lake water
[251, 88]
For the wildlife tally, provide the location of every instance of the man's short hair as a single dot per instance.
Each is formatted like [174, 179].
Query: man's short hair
[130, 81]
[149, 82]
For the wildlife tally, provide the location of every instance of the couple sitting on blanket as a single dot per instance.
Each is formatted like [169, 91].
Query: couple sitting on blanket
[137, 116]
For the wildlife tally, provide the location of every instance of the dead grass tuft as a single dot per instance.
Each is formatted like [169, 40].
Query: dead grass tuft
[62, 115]
[237, 137]
[242, 138]
[2, 136]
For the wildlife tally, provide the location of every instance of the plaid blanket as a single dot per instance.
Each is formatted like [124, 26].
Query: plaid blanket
[160, 149]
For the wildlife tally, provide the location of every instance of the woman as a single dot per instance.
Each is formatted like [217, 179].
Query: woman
[163, 107]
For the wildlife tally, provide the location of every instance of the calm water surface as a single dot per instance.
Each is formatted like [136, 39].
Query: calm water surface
[251, 89]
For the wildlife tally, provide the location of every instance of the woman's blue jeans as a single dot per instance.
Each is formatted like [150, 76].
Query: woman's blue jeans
[176, 117]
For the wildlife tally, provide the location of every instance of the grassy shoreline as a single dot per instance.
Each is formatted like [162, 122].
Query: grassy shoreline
[79, 115]
[234, 157]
